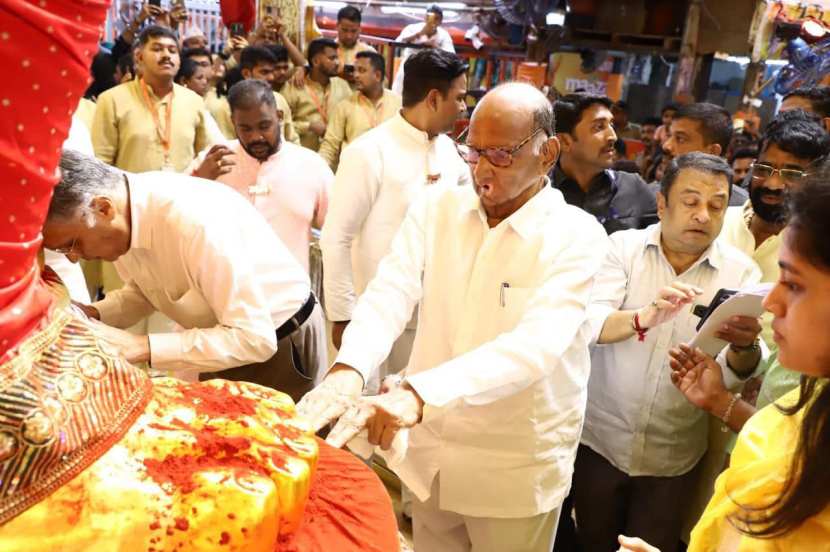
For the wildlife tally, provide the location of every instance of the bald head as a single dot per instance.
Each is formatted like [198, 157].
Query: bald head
[519, 105]
[512, 139]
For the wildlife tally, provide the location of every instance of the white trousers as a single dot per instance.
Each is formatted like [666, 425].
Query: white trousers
[436, 530]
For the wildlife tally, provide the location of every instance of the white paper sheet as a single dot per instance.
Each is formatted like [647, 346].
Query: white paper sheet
[747, 302]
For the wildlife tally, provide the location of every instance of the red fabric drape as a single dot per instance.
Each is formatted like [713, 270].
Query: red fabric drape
[348, 509]
[238, 11]
[46, 48]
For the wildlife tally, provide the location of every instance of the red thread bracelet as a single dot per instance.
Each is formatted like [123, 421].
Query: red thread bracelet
[641, 332]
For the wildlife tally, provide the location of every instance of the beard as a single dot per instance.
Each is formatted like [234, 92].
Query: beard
[774, 214]
[265, 150]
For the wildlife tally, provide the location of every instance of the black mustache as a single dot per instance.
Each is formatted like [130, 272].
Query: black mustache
[263, 144]
[770, 192]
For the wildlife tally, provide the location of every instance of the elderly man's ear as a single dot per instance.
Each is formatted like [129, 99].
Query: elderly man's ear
[549, 152]
[103, 208]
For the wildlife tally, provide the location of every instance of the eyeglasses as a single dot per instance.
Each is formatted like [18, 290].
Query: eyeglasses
[761, 171]
[498, 157]
[67, 250]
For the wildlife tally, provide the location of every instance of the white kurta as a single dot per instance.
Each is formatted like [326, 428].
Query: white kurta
[379, 175]
[441, 39]
[501, 350]
[69, 272]
[203, 256]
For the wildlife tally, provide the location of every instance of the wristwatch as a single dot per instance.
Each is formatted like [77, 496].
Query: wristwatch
[754, 346]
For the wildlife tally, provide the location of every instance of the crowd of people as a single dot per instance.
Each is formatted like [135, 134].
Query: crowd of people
[510, 308]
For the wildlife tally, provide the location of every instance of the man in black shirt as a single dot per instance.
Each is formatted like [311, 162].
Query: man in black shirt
[703, 127]
[619, 200]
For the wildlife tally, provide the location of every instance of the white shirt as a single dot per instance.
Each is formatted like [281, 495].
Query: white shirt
[502, 370]
[71, 273]
[441, 39]
[636, 418]
[379, 175]
[212, 129]
[204, 257]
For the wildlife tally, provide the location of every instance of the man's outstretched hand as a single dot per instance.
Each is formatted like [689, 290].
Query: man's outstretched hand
[383, 415]
[328, 401]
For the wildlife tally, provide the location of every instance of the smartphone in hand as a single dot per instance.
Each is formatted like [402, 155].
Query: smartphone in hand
[237, 29]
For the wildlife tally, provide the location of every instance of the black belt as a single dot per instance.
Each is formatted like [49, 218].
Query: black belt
[299, 318]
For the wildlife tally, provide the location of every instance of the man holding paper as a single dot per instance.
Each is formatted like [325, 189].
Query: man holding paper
[494, 391]
[641, 439]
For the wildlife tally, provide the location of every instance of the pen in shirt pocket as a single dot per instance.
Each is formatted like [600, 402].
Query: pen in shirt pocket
[502, 293]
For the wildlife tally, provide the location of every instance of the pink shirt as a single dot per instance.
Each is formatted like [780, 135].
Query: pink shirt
[290, 189]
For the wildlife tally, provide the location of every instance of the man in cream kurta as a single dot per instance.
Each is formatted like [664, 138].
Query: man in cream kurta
[349, 20]
[503, 272]
[124, 134]
[792, 141]
[313, 103]
[255, 63]
[368, 107]
[354, 117]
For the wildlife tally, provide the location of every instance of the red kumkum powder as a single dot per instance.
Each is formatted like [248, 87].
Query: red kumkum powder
[215, 451]
[218, 401]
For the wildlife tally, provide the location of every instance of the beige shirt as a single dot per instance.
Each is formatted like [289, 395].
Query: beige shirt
[736, 233]
[351, 118]
[124, 133]
[312, 102]
[203, 256]
[348, 55]
[220, 109]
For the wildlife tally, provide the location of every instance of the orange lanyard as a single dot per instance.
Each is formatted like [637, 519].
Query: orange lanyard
[163, 138]
[322, 107]
[374, 110]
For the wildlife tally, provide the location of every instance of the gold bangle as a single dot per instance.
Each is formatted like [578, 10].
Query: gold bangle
[726, 415]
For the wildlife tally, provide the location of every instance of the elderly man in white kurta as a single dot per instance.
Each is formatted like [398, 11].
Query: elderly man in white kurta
[494, 394]
[189, 248]
[379, 175]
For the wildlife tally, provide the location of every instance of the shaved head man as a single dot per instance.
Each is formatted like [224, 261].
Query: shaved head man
[494, 392]
[516, 121]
